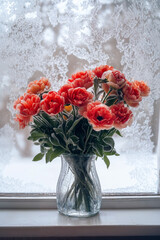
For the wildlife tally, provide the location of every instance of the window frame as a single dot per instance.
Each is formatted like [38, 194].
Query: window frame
[48, 201]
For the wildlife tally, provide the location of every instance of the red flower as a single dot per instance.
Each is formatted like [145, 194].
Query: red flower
[99, 116]
[122, 115]
[64, 91]
[28, 104]
[132, 95]
[52, 103]
[79, 96]
[23, 120]
[144, 89]
[101, 69]
[40, 86]
[82, 79]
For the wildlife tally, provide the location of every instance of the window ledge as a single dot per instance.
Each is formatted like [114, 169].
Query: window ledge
[109, 222]
[28, 201]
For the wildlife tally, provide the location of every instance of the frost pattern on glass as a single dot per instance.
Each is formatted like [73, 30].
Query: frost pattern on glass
[58, 38]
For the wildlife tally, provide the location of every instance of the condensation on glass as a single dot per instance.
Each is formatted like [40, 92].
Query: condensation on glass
[58, 38]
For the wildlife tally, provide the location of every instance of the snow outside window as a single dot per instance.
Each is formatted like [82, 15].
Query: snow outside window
[56, 39]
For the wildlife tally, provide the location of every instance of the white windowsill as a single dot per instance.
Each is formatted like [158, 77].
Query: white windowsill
[109, 222]
[119, 216]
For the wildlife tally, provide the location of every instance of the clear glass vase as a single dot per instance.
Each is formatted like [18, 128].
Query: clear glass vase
[78, 187]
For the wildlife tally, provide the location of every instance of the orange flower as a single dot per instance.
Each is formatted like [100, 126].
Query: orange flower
[132, 94]
[122, 115]
[143, 87]
[28, 104]
[23, 120]
[68, 108]
[101, 69]
[99, 116]
[40, 86]
[82, 79]
[64, 91]
[79, 96]
[52, 103]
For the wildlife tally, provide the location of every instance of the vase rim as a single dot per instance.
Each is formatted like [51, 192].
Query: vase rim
[73, 154]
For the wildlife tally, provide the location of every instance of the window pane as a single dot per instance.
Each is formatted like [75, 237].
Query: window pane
[58, 38]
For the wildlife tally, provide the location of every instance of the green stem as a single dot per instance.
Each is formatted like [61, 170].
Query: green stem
[74, 112]
[103, 96]
[96, 85]
[60, 114]
[90, 131]
[65, 114]
[81, 192]
[107, 94]
[65, 138]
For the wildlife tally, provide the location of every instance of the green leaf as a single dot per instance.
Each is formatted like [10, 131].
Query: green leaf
[95, 133]
[47, 145]
[111, 100]
[69, 123]
[73, 143]
[109, 141]
[59, 131]
[51, 120]
[36, 122]
[74, 139]
[57, 140]
[117, 154]
[111, 132]
[45, 142]
[35, 135]
[74, 125]
[35, 130]
[106, 160]
[109, 144]
[36, 143]
[107, 133]
[108, 148]
[110, 153]
[98, 149]
[118, 133]
[51, 154]
[43, 149]
[38, 157]
[54, 140]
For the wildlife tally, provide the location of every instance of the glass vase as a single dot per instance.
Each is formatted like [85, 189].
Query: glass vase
[78, 188]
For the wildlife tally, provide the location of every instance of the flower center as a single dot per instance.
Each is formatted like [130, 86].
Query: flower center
[99, 118]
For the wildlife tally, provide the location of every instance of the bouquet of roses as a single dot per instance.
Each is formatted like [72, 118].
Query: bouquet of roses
[83, 115]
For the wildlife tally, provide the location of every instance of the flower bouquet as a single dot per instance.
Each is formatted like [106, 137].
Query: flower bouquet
[78, 122]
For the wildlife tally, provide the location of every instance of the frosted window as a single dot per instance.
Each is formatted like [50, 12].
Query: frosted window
[58, 38]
